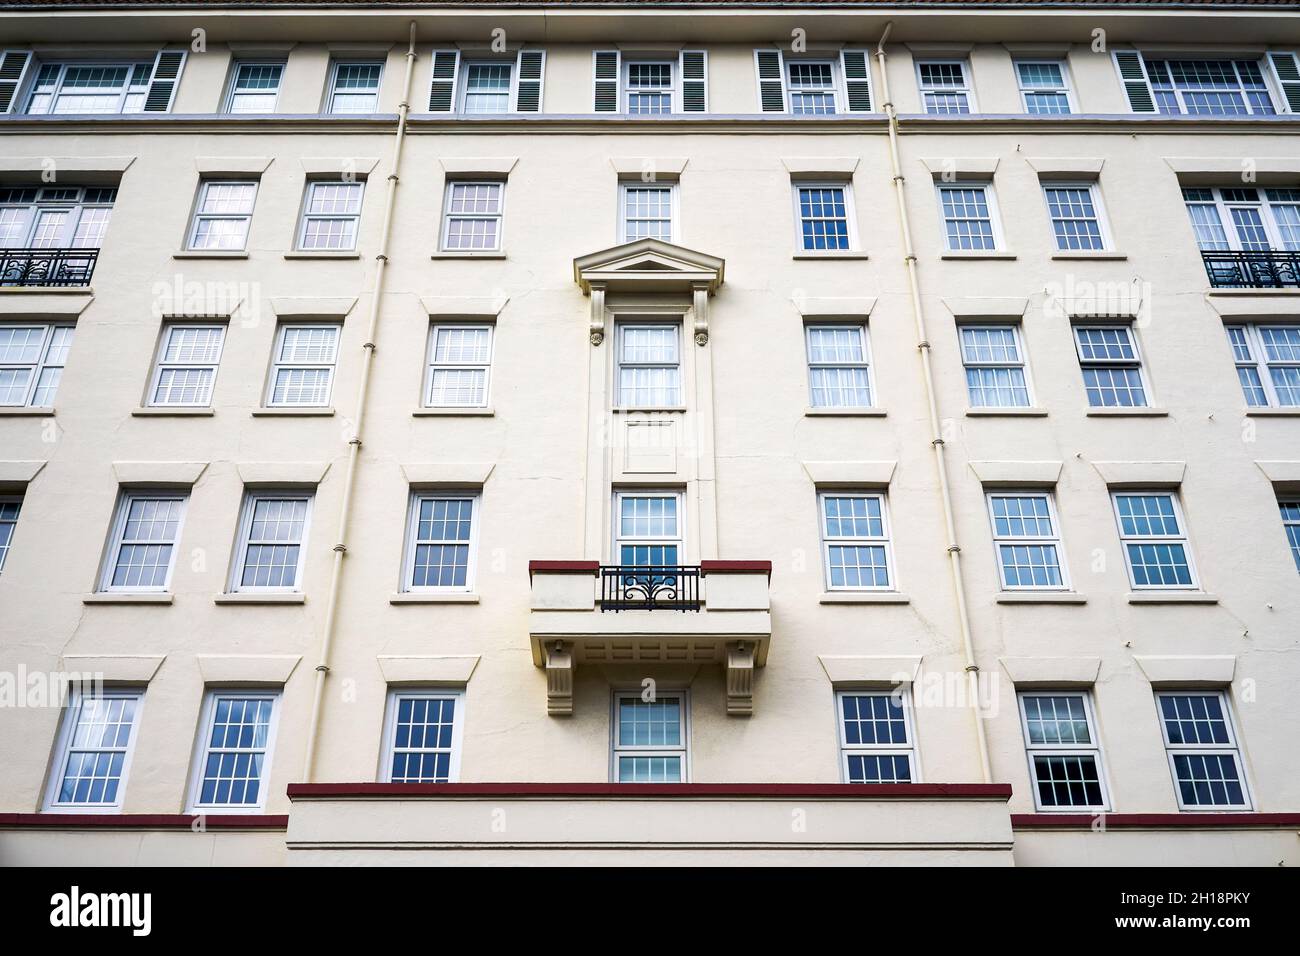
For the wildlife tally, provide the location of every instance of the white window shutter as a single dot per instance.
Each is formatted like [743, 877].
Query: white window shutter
[13, 69]
[530, 73]
[1287, 75]
[1133, 77]
[693, 68]
[442, 83]
[607, 65]
[856, 66]
[167, 66]
[771, 80]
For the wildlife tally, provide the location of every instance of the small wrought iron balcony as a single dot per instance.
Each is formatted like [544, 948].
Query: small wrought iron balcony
[649, 588]
[1266, 269]
[47, 267]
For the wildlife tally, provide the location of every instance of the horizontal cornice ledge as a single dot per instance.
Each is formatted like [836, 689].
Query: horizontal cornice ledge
[248, 670]
[641, 791]
[160, 473]
[114, 668]
[1013, 474]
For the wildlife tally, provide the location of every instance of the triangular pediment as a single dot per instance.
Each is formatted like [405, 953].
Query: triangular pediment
[648, 265]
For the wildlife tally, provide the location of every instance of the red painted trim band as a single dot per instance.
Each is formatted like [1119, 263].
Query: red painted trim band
[832, 790]
[564, 567]
[1052, 821]
[147, 821]
[735, 567]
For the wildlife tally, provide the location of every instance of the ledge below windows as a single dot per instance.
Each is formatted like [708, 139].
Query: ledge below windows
[1041, 597]
[1006, 413]
[160, 412]
[483, 412]
[1172, 597]
[323, 412]
[831, 254]
[978, 254]
[26, 411]
[125, 597]
[416, 597]
[322, 254]
[1273, 412]
[469, 254]
[1129, 412]
[863, 597]
[253, 598]
[1100, 254]
[211, 254]
[873, 412]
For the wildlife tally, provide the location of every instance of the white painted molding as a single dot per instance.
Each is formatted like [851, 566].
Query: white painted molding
[115, 668]
[1051, 671]
[1062, 167]
[41, 306]
[247, 669]
[961, 167]
[466, 307]
[849, 671]
[660, 167]
[827, 167]
[433, 669]
[317, 167]
[242, 46]
[478, 165]
[1280, 472]
[856, 474]
[1187, 671]
[1134, 474]
[987, 307]
[1010, 474]
[1213, 170]
[19, 472]
[306, 307]
[465, 475]
[1241, 308]
[835, 308]
[176, 473]
[95, 169]
[283, 473]
[252, 166]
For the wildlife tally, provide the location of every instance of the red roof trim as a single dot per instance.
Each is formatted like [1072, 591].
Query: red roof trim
[1110, 821]
[146, 821]
[858, 791]
[564, 567]
[737, 567]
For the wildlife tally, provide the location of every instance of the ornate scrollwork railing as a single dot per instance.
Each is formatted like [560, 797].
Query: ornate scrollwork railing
[649, 588]
[1269, 269]
[47, 267]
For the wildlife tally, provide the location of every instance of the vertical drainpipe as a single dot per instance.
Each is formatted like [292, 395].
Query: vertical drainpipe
[354, 443]
[936, 430]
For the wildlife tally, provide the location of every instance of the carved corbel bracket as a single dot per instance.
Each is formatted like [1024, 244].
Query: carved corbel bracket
[597, 313]
[559, 679]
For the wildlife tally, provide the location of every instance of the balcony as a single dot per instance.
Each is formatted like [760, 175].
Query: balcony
[585, 612]
[47, 268]
[1267, 269]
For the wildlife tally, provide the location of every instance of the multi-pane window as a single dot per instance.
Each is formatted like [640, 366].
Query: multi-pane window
[272, 530]
[10, 506]
[1027, 541]
[1209, 87]
[968, 219]
[995, 366]
[1064, 753]
[1244, 219]
[143, 540]
[90, 88]
[855, 541]
[1267, 358]
[648, 530]
[823, 215]
[1076, 218]
[93, 750]
[460, 361]
[876, 744]
[1203, 752]
[222, 215]
[487, 87]
[422, 734]
[839, 366]
[649, 88]
[234, 753]
[354, 87]
[302, 371]
[647, 211]
[1044, 87]
[31, 363]
[650, 738]
[331, 212]
[943, 85]
[53, 217]
[1154, 541]
[186, 369]
[649, 367]
[441, 542]
[811, 86]
[1111, 365]
[254, 87]
[472, 216]
[1290, 509]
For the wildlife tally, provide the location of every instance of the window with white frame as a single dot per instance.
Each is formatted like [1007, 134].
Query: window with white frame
[1063, 749]
[823, 215]
[105, 87]
[1044, 87]
[647, 211]
[1290, 509]
[472, 216]
[1028, 542]
[142, 541]
[459, 366]
[647, 528]
[969, 217]
[1268, 363]
[649, 86]
[876, 741]
[839, 366]
[1204, 756]
[331, 212]
[54, 217]
[254, 87]
[272, 534]
[944, 87]
[422, 736]
[1244, 219]
[302, 370]
[1152, 534]
[222, 214]
[1075, 211]
[649, 365]
[10, 507]
[1111, 366]
[441, 539]
[812, 86]
[995, 366]
[93, 751]
[487, 86]
[1209, 87]
[855, 541]
[232, 763]
[188, 357]
[31, 363]
[650, 738]
[354, 87]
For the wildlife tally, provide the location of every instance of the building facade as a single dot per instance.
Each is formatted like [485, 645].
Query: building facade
[771, 433]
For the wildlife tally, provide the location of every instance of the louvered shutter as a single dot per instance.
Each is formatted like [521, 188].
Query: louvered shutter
[1133, 77]
[606, 66]
[166, 78]
[528, 90]
[771, 80]
[1288, 79]
[693, 66]
[857, 79]
[442, 84]
[13, 67]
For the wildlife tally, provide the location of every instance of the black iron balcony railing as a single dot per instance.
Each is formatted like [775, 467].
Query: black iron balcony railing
[1267, 269]
[649, 588]
[47, 267]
